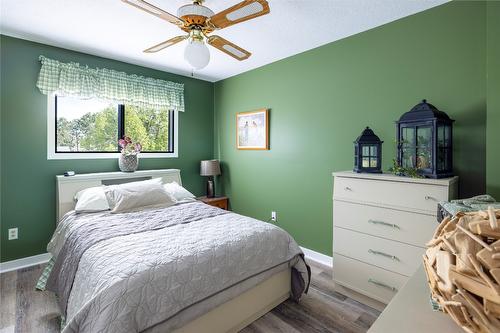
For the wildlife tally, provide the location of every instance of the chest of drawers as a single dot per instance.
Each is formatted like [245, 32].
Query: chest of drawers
[381, 223]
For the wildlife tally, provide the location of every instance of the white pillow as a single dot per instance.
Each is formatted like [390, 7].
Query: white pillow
[92, 199]
[178, 192]
[108, 188]
[129, 196]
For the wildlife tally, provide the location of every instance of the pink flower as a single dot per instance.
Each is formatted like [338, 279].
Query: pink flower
[128, 147]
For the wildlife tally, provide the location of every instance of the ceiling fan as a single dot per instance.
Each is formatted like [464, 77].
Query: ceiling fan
[198, 22]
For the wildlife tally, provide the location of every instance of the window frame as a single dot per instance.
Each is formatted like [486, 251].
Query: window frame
[52, 154]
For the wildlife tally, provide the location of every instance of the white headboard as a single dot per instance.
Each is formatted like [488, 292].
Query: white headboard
[67, 187]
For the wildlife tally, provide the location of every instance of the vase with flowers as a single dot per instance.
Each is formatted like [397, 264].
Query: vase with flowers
[129, 159]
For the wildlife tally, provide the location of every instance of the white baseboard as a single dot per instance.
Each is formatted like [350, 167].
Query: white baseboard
[320, 258]
[24, 262]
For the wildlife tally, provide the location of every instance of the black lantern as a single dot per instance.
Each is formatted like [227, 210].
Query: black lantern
[368, 152]
[424, 136]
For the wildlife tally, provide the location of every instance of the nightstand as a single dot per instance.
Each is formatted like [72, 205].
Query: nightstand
[221, 202]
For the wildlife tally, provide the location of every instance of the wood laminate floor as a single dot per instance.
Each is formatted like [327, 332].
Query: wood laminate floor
[25, 310]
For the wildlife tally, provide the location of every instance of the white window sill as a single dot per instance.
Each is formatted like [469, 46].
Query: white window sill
[93, 156]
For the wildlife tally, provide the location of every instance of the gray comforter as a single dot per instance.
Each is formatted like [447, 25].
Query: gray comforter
[133, 271]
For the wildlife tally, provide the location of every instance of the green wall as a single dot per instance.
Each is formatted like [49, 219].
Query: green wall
[321, 100]
[493, 100]
[28, 178]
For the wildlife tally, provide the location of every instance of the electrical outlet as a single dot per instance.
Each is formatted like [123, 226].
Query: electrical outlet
[12, 233]
[274, 216]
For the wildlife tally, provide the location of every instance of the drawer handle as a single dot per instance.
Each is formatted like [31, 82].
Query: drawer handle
[428, 197]
[392, 225]
[381, 284]
[379, 253]
[347, 188]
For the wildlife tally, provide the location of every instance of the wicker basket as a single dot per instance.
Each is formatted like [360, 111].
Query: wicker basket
[462, 263]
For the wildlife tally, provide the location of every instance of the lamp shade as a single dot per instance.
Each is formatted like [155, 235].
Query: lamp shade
[210, 168]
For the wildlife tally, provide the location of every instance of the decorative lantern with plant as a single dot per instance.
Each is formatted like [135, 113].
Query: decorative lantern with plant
[425, 145]
[128, 160]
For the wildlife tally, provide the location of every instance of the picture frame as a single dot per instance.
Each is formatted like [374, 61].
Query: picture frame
[252, 130]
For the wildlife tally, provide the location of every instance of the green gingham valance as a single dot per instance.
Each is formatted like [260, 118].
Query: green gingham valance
[72, 79]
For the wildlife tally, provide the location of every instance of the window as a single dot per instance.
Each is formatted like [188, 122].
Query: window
[86, 125]
[150, 127]
[90, 128]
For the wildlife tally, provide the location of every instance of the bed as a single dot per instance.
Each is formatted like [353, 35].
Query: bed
[189, 267]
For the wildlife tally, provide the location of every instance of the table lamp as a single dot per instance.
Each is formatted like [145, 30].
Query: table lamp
[210, 168]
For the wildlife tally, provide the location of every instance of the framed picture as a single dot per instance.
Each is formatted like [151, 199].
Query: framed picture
[252, 130]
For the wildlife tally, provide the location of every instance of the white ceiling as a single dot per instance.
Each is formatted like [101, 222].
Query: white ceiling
[113, 29]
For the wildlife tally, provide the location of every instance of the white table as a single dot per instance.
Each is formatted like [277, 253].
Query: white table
[410, 311]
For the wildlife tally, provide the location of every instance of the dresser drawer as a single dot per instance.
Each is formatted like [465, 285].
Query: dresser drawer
[366, 279]
[412, 228]
[394, 256]
[420, 197]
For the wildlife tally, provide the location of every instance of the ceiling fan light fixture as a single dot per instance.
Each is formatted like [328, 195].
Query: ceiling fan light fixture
[197, 53]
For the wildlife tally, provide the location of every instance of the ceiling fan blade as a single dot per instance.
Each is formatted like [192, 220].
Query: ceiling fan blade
[165, 44]
[151, 9]
[229, 48]
[245, 10]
